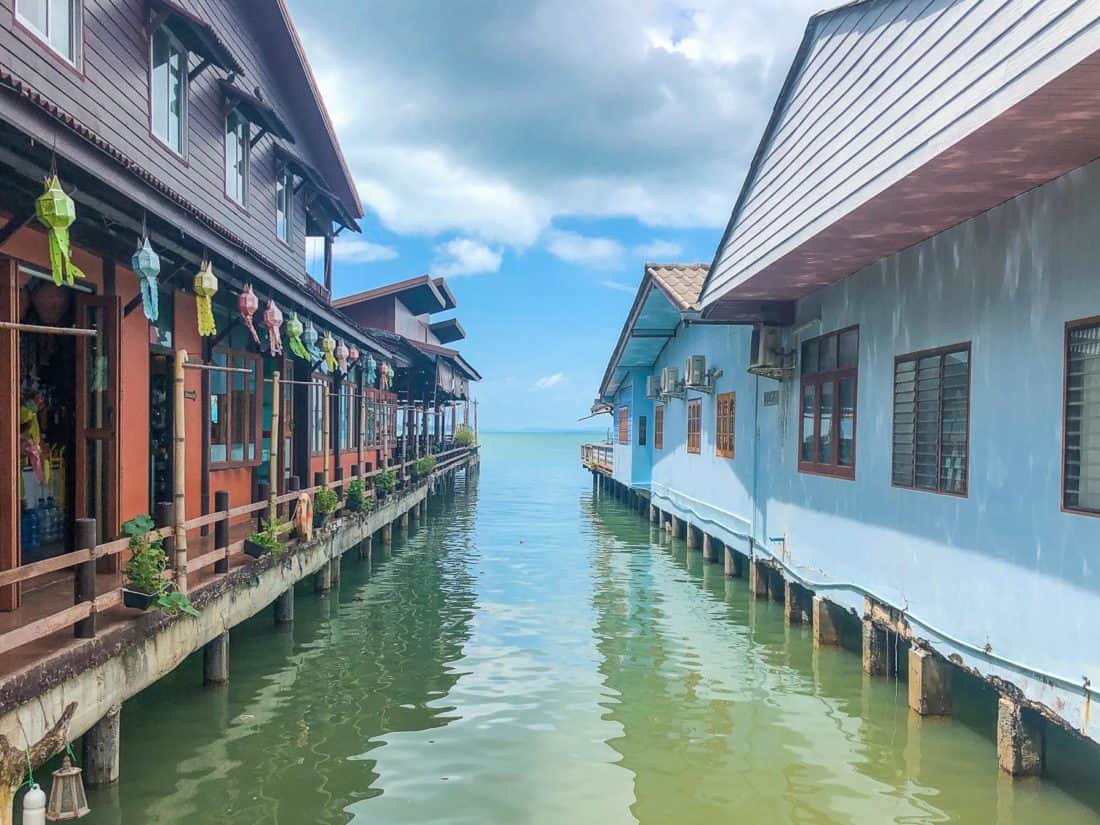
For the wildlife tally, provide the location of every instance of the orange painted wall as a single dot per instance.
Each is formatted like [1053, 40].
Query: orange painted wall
[29, 244]
[133, 417]
[186, 337]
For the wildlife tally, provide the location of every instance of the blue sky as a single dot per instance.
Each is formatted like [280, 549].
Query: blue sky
[536, 153]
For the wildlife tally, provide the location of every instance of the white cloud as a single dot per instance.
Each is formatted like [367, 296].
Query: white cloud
[552, 109]
[464, 256]
[618, 285]
[659, 251]
[548, 381]
[574, 248]
[361, 251]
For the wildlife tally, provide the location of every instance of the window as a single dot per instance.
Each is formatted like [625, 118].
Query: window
[659, 427]
[317, 392]
[168, 92]
[284, 204]
[235, 409]
[726, 413]
[931, 420]
[348, 406]
[237, 137]
[827, 429]
[1081, 430]
[695, 425]
[624, 425]
[55, 21]
[643, 425]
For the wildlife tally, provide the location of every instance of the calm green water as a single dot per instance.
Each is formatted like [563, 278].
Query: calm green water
[531, 655]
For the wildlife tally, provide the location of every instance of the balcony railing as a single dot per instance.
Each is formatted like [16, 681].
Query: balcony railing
[599, 457]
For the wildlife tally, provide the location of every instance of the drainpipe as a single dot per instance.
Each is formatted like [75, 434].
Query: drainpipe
[755, 455]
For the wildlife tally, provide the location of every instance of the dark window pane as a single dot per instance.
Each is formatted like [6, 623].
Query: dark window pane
[827, 358]
[848, 355]
[846, 425]
[825, 414]
[809, 357]
[1082, 447]
[808, 399]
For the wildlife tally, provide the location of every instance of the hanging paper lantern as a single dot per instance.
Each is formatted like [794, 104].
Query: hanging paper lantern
[372, 370]
[387, 376]
[56, 211]
[146, 265]
[353, 354]
[247, 304]
[273, 320]
[341, 353]
[67, 799]
[328, 348]
[205, 286]
[309, 339]
[294, 330]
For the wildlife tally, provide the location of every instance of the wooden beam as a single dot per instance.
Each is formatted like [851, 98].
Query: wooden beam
[10, 466]
[17, 222]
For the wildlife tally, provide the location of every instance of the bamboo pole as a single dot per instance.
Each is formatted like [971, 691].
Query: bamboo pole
[326, 445]
[41, 330]
[273, 453]
[179, 459]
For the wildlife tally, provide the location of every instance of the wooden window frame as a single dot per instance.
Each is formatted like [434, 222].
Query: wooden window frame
[1070, 326]
[231, 463]
[725, 432]
[695, 436]
[316, 420]
[831, 468]
[247, 174]
[280, 173]
[659, 427]
[76, 34]
[185, 93]
[624, 425]
[917, 356]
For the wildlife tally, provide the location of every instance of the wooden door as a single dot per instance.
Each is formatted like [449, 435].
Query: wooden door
[97, 400]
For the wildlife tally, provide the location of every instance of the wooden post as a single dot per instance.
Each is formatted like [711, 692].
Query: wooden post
[221, 530]
[476, 439]
[10, 464]
[179, 460]
[276, 440]
[85, 584]
[215, 660]
[162, 515]
[325, 432]
[101, 751]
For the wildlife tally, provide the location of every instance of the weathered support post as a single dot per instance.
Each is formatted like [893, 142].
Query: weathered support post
[365, 548]
[101, 751]
[215, 660]
[876, 648]
[1020, 741]
[732, 563]
[273, 473]
[709, 554]
[775, 585]
[387, 533]
[322, 579]
[179, 463]
[221, 530]
[403, 522]
[797, 603]
[85, 584]
[654, 513]
[284, 607]
[415, 513]
[692, 535]
[758, 578]
[929, 683]
[337, 569]
[826, 630]
[677, 527]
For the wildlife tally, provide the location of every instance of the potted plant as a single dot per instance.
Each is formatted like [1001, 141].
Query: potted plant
[384, 483]
[464, 437]
[324, 505]
[145, 584]
[355, 497]
[423, 466]
[266, 540]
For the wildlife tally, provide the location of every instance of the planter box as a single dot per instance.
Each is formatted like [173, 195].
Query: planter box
[136, 600]
[254, 550]
[320, 520]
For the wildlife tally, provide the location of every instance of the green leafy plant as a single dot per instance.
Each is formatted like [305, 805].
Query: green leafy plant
[424, 466]
[464, 437]
[144, 571]
[355, 497]
[385, 482]
[268, 537]
[325, 501]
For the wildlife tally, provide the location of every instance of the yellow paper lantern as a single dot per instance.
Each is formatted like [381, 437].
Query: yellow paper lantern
[205, 287]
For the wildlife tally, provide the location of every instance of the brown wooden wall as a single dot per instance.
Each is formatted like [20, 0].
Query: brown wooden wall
[109, 92]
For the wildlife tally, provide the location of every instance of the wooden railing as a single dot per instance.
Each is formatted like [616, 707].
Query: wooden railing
[598, 457]
[87, 602]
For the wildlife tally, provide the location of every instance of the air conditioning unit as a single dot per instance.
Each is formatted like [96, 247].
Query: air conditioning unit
[697, 376]
[670, 383]
[653, 387]
[767, 358]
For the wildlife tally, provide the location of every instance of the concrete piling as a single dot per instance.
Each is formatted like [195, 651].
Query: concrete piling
[101, 750]
[876, 649]
[215, 660]
[826, 629]
[654, 514]
[797, 603]
[414, 513]
[1019, 738]
[322, 579]
[403, 522]
[732, 563]
[776, 585]
[929, 683]
[758, 578]
[387, 533]
[710, 555]
[365, 548]
[284, 607]
[692, 535]
[336, 570]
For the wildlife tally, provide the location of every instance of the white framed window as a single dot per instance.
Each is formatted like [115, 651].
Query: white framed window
[238, 135]
[284, 204]
[55, 21]
[168, 89]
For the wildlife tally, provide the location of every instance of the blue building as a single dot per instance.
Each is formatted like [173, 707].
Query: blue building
[884, 391]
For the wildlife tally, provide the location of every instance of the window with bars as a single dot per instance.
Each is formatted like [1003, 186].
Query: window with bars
[235, 409]
[643, 425]
[1081, 431]
[624, 425]
[827, 420]
[317, 392]
[695, 425]
[725, 414]
[932, 420]
[659, 427]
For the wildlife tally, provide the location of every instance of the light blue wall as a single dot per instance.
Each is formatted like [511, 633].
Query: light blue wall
[632, 462]
[1002, 567]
